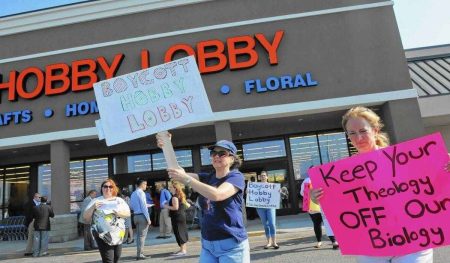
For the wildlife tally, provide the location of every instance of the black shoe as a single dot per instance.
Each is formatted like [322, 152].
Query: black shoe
[130, 242]
[166, 237]
[160, 237]
[28, 254]
[276, 246]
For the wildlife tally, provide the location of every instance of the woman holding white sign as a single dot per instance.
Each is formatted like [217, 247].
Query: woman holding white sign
[224, 238]
[363, 127]
[107, 214]
[268, 219]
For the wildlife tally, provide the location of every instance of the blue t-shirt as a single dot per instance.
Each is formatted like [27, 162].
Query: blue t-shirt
[223, 219]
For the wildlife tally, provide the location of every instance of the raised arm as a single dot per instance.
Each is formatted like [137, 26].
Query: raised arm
[224, 191]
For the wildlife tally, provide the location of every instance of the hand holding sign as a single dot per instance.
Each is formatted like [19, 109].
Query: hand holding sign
[263, 195]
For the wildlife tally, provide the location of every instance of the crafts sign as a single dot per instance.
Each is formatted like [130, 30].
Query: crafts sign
[263, 195]
[148, 101]
[389, 202]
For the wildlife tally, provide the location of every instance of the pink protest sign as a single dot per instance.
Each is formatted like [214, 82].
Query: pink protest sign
[389, 202]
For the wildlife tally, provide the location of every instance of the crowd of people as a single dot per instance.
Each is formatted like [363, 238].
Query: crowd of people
[219, 195]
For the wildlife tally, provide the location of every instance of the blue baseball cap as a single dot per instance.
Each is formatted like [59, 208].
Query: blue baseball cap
[226, 145]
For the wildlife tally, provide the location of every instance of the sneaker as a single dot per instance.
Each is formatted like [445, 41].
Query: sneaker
[318, 245]
[180, 254]
[141, 257]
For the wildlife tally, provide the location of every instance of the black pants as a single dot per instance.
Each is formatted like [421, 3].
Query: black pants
[110, 254]
[317, 221]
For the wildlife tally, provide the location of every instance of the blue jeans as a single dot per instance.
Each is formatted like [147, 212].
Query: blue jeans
[40, 243]
[225, 251]
[268, 219]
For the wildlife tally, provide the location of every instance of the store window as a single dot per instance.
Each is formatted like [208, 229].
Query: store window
[264, 150]
[44, 180]
[2, 203]
[184, 158]
[305, 153]
[15, 190]
[89, 172]
[96, 173]
[204, 155]
[132, 163]
[333, 146]
[76, 181]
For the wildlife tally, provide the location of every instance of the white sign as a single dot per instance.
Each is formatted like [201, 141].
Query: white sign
[263, 195]
[148, 101]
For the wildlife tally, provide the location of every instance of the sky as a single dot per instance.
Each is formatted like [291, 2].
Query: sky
[422, 23]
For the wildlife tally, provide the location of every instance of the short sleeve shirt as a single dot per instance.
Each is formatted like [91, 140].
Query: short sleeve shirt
[224, 219]
[109, 227]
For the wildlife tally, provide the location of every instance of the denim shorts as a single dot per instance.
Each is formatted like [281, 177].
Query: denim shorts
[425, 256]
[225, 251]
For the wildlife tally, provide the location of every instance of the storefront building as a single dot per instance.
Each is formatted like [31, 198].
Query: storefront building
[278, 74]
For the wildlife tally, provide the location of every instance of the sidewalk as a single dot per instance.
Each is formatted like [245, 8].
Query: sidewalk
[285, 224]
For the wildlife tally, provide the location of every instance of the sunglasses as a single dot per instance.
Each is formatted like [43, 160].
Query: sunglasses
[221, 154]
[108, 186]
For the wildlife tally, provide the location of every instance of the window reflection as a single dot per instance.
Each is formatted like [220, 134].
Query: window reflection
[184, 158]
[44, 180]
[93, 171]
[204, 155]
[96, 173]
[333, 146]
[76, 181]
[264, 150]
[305, 152]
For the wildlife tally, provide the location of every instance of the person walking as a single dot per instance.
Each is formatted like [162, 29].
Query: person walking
[317, 217]
[177, 210]
[89, 241]
[284, 194]
[224, 237]
[107, 215]
[165, 224]
[364, 129]
[141, 216]
[41, 216]
[29, 222]
[268, 219]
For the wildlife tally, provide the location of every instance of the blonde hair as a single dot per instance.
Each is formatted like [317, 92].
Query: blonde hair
[180, 193]
[381, 138]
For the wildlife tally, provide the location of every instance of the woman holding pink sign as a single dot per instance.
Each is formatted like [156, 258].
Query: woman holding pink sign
[363, 127]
